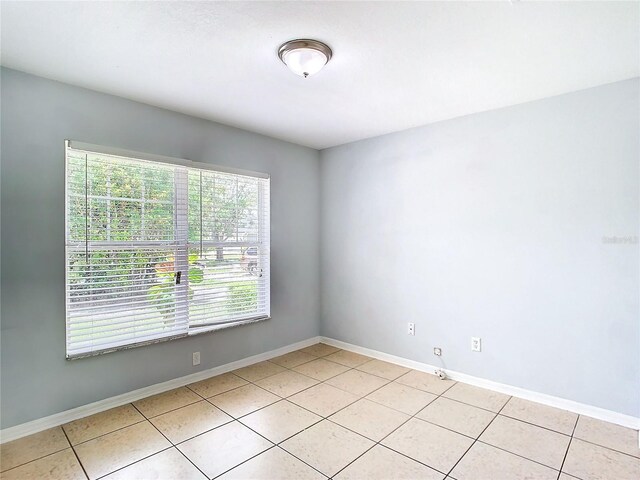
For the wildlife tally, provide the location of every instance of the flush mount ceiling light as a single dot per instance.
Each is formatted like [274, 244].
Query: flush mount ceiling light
[304, 57]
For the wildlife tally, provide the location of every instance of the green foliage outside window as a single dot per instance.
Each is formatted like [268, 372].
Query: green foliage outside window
[126, 202]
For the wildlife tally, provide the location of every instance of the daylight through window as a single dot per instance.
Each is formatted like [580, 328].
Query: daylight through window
[157, 250]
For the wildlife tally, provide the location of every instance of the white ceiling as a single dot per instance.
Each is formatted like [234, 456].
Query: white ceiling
[395, 66]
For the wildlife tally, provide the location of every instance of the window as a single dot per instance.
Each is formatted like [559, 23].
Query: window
[160, 248]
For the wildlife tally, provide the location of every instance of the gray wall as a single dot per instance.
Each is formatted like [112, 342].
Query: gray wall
[37, 116]
[492, 225]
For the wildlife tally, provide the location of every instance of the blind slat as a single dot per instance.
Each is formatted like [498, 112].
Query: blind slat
[132, 223]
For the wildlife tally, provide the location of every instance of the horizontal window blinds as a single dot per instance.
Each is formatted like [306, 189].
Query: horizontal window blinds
[155, 249]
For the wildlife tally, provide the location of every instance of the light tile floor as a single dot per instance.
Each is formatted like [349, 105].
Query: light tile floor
[324, 413]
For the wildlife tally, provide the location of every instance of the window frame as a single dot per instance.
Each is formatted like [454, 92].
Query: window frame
[191, 329]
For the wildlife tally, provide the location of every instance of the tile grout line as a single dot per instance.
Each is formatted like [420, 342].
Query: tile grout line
[364, 397]
[556, 432]
[274, 444]
[319, 382]
[35, 459]
[518, 455]
[301, 460]
[173, 445]
[553, 431]
[219, 393]
[504, 450]
[133, 463]
[148, 419]
[347, 406]
[74, 452]
[376, 443]
[478, 437]
[170, 410]
[232, 417]
[496, 415]
[536, 425]
[245, 460]
[238, 419]
[568, 446]
[321, 416]
[606, 448]
[349, 368]
[144, 419]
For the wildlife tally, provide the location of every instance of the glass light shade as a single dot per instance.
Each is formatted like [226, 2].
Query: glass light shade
[305, 56]
[304, 61]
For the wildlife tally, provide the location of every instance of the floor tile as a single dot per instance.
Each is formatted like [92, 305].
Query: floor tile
[104, 422]
[608, 435]
[243, 400]
[164, 402]
[457, 416]
[478, 397]
[63, 464]
[425, 382]
[321, 369]
[490, 463]
[258, 371]
[286, 383]
[542, 415]
[427, 443]
[369, 419]
[402, 397]
[320, 350]
[118, 449]
[221, 449]
[219, 384]
[530, 441]
[593, 462]
[169, 464]
[357, 382]
[281, 420]
[293, 359]
[30, 448]
[274, 464]
[380, 463]
[387, 370]
[327, 447]
[323, 399]
[186, 422]
[564, 476]
[348, 359]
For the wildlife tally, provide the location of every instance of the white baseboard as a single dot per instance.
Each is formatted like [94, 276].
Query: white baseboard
[35, 426]
[575, 407]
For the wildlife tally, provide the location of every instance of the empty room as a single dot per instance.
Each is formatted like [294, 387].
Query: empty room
[307, 240]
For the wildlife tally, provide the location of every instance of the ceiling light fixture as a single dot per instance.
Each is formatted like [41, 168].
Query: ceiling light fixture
[304, 57]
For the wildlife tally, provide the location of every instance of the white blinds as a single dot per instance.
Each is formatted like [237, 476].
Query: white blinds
[154, 249]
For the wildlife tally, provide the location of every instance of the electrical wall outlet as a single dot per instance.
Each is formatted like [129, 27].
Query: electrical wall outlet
[411, 329]
[476, 344]
[437, 351]
[196, 358]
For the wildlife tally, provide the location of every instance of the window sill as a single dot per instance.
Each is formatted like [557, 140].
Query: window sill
[222, 326]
